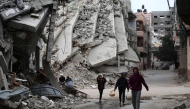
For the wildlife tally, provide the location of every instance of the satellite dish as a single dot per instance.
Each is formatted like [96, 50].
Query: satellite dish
[139, 10]
[142, 6]
[145, 10]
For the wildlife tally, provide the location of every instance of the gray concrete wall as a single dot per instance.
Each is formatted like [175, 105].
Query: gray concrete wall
[163, 22]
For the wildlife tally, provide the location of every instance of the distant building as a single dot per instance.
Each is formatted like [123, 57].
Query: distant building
[148, 17]
[161, 22]
[143, 38]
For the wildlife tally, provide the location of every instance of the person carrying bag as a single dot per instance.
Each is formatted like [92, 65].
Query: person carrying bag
[122, 84]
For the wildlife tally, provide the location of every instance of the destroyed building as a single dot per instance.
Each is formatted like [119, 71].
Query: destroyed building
[41, 39]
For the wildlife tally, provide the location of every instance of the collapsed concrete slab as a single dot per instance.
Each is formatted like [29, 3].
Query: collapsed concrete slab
[50, 75]
[29, 23]
[115, 62]
[14, 12]
[3, 80]
[131, 55]
[64, 40]
[120, 32]
[89, 26]
[103, 53]
[78, 58]
[75, 50]
[111, 69]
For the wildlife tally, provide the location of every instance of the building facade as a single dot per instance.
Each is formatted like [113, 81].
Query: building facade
[161, 22]
[142, 39]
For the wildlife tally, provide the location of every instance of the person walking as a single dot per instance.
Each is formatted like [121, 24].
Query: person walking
[144, 67]
[152, 65]
[135, 84]
[122, 84]
[101, 85]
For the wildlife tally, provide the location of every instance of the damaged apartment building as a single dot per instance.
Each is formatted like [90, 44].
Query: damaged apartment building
[42, 39]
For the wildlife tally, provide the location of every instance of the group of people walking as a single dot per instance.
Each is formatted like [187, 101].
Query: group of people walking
[135, 84]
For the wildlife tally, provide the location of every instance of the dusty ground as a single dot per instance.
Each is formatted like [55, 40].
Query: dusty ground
[161, 83]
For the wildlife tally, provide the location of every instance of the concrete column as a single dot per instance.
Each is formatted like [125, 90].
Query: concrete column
[188, 58]
[183, 59]
[37, 58]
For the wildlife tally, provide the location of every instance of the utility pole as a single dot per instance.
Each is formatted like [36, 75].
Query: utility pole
[169, 4]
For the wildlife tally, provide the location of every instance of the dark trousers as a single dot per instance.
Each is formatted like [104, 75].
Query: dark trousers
[136, 99]
[122, 92]
[101, 92]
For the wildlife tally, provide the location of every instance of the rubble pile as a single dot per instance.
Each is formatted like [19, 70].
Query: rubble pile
[85, 78]
[94, 42]
[181, 79]
[85, 26]
[104, 27]
[66, 102]
[41, 39]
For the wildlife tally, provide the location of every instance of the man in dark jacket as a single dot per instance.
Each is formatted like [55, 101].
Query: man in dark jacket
[101, 84]
[122, 84]
[135, 84]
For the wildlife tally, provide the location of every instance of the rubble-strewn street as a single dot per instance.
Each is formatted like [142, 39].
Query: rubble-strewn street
[53, 53]
[165, 93]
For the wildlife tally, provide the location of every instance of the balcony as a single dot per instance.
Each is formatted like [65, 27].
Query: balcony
[141, 18]
[140, 26]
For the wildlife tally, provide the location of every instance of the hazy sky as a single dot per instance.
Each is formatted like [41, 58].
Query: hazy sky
[151, 5]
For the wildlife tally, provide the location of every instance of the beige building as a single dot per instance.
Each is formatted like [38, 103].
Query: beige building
[141, 38]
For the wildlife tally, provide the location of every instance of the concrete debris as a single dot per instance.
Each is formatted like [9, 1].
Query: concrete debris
[120, 30]
[43, 102]
[81, 76]
[3, 80]
[103, 53]
[42, 40]
[14, 12]
[105, 25]
[28, 23]
[85, 78]
[131, 56]
[4, 44]
[60, 21]
[85, 27]
[64, 40]
[111, 69]
[181, 79]
[13, 98]
[20, 4]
